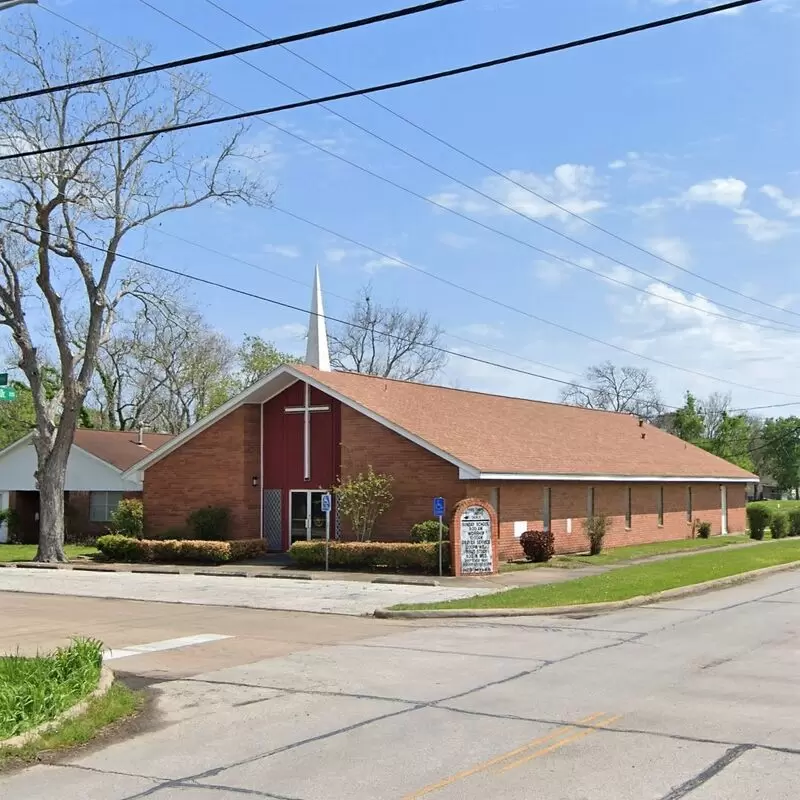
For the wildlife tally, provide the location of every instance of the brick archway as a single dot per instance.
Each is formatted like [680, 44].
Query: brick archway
[469, 508]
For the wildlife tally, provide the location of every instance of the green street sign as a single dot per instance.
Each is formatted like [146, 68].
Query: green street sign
[7, 393]
[3, 379]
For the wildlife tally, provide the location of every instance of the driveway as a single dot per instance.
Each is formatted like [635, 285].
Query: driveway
[693, 698]
[329, 597]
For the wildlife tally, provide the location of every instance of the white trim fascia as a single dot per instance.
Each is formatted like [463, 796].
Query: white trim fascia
[526, 476]
[261, 472]
[199, 426]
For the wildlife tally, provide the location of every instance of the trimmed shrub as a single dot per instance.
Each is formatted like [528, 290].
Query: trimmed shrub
[703, 530]
[794, 522]
[10, 516]
[423, 557]
[428, 531]
[122, 548]
[779, 525]
[127, 519]
[595, 528]
[758, 519]
[175, 533]
[210, 524]
[539, 546]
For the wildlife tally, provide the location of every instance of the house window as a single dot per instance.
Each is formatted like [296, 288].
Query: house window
[628, 508]
[102, 505]
[590, 502]
[688, 503]
[661, 506]
[546, 510]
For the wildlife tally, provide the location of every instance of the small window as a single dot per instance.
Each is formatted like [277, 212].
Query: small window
[102, 505]
[689, 504]
[661, 506]
[628, 508]
[546, 510]
[590, 502]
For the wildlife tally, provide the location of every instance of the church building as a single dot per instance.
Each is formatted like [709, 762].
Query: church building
[269, 455]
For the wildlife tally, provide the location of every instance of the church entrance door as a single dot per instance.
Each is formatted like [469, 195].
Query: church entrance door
[306, 518]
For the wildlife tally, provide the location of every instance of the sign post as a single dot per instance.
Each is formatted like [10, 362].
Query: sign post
[438, 511]
[326, 507]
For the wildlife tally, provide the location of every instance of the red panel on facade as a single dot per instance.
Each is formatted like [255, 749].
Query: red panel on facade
[284, 444]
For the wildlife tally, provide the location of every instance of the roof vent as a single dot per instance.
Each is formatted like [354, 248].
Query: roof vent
[140, 441]
[644, 436]
[641, 422]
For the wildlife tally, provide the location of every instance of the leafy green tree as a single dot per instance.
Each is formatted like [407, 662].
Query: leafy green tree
[687, 422]
[732, 441]
[363, 499]
[779, 453]
[257, 358]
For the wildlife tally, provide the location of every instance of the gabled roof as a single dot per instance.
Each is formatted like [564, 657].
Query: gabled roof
[497, 437]
[121, 449]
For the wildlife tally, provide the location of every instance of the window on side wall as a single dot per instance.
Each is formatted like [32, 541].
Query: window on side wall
[102, 505]
[494, 499]
[688, 503]
[546, 509]
[590, 502]
[661, 506]
[629, 508]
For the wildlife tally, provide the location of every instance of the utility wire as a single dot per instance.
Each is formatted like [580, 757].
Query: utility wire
[782, 326]
[245, 293]
[248, 48]
[475, 160]
[386, 86]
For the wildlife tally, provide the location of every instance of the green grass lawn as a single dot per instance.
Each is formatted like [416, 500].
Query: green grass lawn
[118, 703]
[27, 552]
[37, 689]
[633, 581]
[617, 555]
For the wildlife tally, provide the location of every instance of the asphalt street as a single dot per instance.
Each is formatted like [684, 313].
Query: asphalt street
[695, 698]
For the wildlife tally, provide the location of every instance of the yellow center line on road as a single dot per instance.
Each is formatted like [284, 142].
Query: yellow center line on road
[434, 787]
[557, 745]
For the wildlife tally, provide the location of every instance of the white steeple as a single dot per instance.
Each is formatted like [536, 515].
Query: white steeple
[317, 344]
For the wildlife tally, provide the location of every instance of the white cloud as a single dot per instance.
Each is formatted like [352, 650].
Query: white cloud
[789, 205]
[381, 262]
[290, 332]
[670, 248]
[759, 228]
[641, 167]
[726, 192]
[285, 250]
[574, 187]
[482, 330]
[456, 240]
[335, 254]
[551, 273]
[617, 164]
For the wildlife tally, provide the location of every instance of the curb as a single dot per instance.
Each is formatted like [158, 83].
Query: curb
[590, 608]
[400, 581]
[103, 685]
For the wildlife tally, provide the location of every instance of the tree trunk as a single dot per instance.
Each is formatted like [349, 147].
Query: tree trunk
[51, 478]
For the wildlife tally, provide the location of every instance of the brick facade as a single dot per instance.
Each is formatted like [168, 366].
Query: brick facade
[217, 467]
[214, 468]
[419, 475]
[524, 500]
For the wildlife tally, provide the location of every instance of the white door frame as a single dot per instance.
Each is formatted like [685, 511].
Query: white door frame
[4, 500]
[723, 505]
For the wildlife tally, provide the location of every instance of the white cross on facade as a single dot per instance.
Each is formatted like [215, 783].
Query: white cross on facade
[306, 410]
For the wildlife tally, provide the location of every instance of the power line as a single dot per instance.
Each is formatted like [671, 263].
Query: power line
[484, 165]
[248, 48]
[386, 86]
[516, 310]
[783, 326]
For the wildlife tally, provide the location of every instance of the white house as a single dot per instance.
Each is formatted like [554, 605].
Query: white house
[94, 484]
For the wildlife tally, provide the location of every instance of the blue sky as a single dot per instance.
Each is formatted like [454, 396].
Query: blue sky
[684, 140]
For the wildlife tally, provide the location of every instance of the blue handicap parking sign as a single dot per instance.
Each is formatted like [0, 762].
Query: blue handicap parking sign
[438, 506]
[326, 503]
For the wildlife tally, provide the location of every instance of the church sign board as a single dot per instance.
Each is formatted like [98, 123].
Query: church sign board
[473, 540]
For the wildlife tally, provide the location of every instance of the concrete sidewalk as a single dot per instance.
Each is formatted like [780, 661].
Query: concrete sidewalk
[219, 589]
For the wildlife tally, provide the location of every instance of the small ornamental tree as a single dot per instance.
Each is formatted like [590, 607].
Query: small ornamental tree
[363, 499]
[127, 519]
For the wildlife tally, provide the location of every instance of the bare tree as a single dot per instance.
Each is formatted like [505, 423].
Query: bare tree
[714, 411]
[53, 205]
[631, 390]
[389, 341]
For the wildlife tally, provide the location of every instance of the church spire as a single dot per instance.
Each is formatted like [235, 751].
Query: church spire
[317, 344]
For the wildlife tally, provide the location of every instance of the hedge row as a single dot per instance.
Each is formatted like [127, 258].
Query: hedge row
[422, 557]
[122, 548]
[761, 516]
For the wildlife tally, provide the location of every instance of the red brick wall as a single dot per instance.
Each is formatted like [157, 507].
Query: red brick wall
[77, 507]
[215, 468]
[419, 476]
[522, 500]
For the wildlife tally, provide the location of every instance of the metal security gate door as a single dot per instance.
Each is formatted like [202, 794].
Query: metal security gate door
[273, 532]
